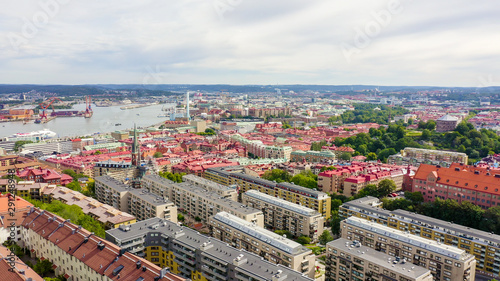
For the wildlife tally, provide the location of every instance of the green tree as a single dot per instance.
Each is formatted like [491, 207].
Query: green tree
[325, 237]
[371, 156]
[157, 154]
[284, 232]
[426, 135]
[19, 144]
[303, 240]
[385, 187]
[180, 217]
[277, 175]
[346, 156]
[43, 267]
[74, 185]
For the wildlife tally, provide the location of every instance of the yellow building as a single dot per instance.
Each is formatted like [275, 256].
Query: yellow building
[484, 246]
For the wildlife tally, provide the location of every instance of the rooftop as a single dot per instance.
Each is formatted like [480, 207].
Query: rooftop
[417, 241]
[378, 258]
[282, 203]
[266, 236]
[253, 265]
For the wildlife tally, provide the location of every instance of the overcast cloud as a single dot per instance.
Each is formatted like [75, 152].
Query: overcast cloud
[390, 42]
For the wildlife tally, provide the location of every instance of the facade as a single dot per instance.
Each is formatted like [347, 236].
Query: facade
[118, 170]
[280, 214]
[446, 123]
[346, 261]
[138, 202]
[445, 262]
[79, 255]
[269, 245]
[221, 174]
[222, 190]
[30, 189]
[195, 256]
[479, 186]
[484, 246]
[264, 112]
[312, 156]
[105, 214]
[307, 197]
[45, 176]
[199, 202]
[256, 148]
[354, 184]
[416, 156]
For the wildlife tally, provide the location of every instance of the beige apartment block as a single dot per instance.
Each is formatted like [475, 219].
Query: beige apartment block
[272, 247]
[350, 261]
[222, 190]
[197, 201]
[446, 262]
[283, 215]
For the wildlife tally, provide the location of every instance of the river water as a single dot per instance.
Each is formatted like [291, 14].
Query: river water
[104, 119]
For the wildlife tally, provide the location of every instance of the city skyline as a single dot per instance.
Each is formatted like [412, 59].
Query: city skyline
[240, 42]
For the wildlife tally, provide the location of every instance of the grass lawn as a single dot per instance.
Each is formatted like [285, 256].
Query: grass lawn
[413, 133]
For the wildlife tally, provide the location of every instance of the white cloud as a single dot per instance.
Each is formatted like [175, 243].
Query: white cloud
[447, 42]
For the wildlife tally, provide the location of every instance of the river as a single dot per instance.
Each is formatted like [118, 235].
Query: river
[103, 120]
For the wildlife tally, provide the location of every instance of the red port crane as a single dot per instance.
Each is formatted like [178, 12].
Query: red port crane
[44, 105]
[88, 107]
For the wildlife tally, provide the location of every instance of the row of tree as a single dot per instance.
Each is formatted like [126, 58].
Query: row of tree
[305, 178]
[73, 213]
[464, 213]
[366, 113]
[175, 177]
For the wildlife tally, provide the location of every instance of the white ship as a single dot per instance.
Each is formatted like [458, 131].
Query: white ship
[32, 136]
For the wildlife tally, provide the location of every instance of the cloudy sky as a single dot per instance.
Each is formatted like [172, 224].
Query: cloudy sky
[335, 42]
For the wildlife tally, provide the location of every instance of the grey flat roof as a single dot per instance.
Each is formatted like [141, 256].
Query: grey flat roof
[263, 235]
[158, 179]
[225, 202]
[417, 241]
[282, 185]
[206, 183]
[112, 183]
[281, 203]
[449, 226]
[254, 265]
[366, 204]
[379, 258]
[149, 197]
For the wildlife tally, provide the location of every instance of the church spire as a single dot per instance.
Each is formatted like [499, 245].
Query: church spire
[135, 148]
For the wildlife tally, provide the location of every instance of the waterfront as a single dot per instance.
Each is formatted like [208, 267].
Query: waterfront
[103, 120]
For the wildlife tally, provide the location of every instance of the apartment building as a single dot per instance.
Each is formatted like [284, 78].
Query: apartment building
[346, 261]
[221, 174]
[354, 184]
[257, 148]
[280, 214]
[145, 205]
[290, 192]
[118, 170]
[195, 256]
[446, 262]
[79, 255]
[483, 245]
[312, 156]
[222, 190]
[197, 201]
[105, 214]
[416, 156]
[138, 202]
[272, 247]
[30, 189]
[459, 182]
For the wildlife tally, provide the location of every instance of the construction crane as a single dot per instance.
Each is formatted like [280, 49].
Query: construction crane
[88, 107]
[45, 105]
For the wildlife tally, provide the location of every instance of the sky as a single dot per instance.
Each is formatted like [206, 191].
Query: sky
[330, 42]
